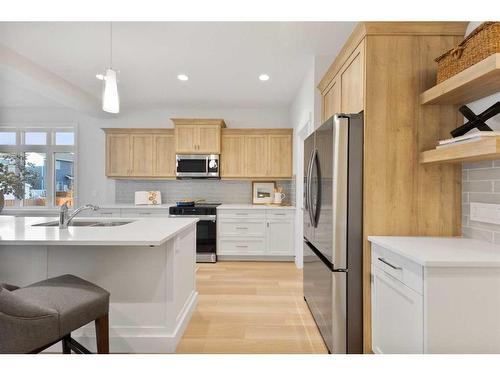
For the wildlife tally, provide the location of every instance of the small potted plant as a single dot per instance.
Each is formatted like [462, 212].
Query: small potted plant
[15, 173]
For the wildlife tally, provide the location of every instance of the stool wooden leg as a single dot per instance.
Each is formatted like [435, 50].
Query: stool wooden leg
[66, 344]
[102, 334]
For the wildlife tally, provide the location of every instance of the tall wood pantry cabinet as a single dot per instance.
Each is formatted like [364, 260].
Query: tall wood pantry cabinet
[382, 70]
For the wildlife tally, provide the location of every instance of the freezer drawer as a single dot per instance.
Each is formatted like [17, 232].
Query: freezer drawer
[318, 293]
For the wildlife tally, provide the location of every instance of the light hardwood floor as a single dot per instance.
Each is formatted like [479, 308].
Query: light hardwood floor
[251, 307]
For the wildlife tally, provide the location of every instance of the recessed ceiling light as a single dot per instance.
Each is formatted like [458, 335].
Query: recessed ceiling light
[100, 76]
[182, 77]
[264, 77]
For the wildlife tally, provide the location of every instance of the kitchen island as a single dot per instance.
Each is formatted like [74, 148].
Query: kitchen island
[147, 264]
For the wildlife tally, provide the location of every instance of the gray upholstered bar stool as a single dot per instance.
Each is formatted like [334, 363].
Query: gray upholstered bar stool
[41, 314]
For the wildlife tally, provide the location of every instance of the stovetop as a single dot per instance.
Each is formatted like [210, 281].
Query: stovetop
[199, 209]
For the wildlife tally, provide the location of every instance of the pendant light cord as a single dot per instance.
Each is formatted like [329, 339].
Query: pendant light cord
[111, 44]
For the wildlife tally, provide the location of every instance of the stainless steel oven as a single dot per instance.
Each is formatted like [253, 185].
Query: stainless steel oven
[197, 166]
[206, 229]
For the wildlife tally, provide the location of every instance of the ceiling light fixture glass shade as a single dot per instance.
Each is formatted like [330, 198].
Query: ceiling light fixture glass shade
[110, 97]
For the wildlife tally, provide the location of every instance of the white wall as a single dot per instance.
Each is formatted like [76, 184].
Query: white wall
[92, 184]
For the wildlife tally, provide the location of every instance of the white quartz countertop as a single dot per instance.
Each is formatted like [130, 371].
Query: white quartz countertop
[140, 232]
[442, 251]
[136, 206]
[253, 207]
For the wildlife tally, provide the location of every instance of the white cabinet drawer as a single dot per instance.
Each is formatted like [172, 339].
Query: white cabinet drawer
[242, 214]
[280, 214]
[402, 269]
[241, 227]
[153, 212]
[241, 246]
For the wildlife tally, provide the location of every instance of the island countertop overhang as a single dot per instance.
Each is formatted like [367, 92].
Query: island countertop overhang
[139, 232]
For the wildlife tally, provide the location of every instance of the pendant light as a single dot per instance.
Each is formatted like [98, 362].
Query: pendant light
[110, 97]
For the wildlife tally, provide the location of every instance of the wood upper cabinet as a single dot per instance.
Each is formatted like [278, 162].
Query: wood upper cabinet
[256, 153]
[332, 100]
[118, 161]
[198, 136]
[232, 161]
[345, 92]
[280, 155]
[139, 153]
[352, 81]
[142, 154]
[186, 139]
[164, 151]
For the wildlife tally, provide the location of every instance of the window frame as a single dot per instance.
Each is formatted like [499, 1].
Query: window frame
[49, 149]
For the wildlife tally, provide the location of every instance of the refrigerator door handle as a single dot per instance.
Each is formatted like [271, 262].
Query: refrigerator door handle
[317, 205]
[308, 189]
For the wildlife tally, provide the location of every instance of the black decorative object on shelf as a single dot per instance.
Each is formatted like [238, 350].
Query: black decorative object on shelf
[475, 121]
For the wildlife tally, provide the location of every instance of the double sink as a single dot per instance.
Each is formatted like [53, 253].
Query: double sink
[85, 223]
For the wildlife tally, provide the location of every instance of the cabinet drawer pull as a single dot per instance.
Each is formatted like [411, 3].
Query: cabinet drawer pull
[241, 245]
[242, 214]
[144, 213]
[241, 228]
[390, 265]
[279, 214]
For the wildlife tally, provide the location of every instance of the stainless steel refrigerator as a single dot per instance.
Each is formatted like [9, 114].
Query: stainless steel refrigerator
[333, 231]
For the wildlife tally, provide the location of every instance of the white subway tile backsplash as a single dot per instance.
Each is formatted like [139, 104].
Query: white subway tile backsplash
[484, 197]
[220, 191]
[479, 164]
[465, 197]
[480, 183]
[477, 234]
[477, 186]
[484, 174]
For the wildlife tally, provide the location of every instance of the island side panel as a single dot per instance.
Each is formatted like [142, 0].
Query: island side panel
[152, 288]
[23, 265]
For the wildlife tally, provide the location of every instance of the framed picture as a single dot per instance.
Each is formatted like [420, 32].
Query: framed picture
[263, 192]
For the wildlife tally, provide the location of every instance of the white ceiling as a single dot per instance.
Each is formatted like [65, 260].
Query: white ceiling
[222, 59]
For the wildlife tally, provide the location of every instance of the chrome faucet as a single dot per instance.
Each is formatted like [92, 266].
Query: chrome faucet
[65, 219]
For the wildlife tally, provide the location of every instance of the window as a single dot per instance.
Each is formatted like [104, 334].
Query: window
[46, 155]
[7, 138]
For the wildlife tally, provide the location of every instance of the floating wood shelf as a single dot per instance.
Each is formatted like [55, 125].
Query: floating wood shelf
[476, 82]
[482, 149]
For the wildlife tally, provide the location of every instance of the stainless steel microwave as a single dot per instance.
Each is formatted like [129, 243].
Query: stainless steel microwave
[197, 166]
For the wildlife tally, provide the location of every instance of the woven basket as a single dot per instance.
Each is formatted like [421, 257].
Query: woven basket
[479, 44]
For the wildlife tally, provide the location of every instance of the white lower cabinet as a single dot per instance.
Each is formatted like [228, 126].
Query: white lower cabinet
[435, 303]
[397, 304]
[255, 233]
[280, 237]
[397, 315]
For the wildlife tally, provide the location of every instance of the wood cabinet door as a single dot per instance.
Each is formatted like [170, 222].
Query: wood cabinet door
[164, 155]
[232, 162]
[118, 161]
[256, 156]
[332, 100]
[186, 139]
[352, 82]
[208, 139]
[280, 237]
[280, 156]
[142, 155]
[397, 316]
